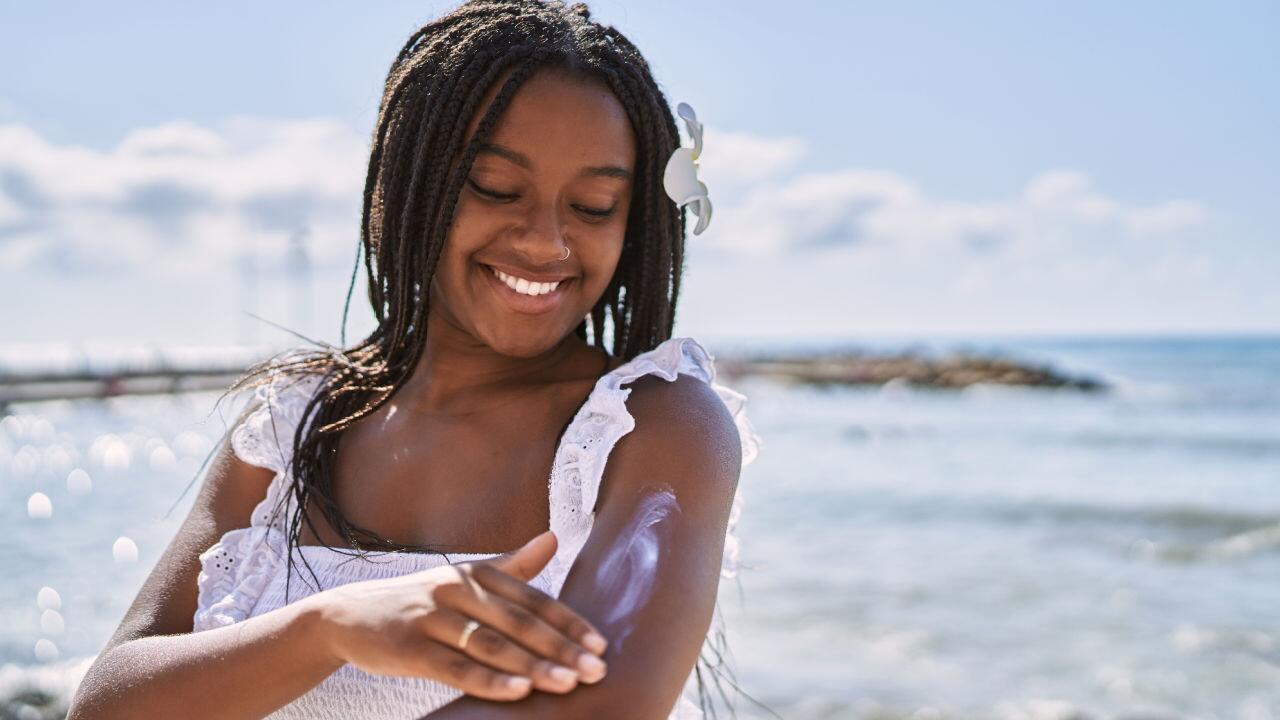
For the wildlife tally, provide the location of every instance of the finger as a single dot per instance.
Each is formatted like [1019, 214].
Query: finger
[526, 628]
[555, 613]
[528, 560]
[455, 668]
[498, 651]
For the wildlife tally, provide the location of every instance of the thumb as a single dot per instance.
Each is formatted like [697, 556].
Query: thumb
[527, 561]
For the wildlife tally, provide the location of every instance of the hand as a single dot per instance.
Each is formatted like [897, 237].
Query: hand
[410, 626]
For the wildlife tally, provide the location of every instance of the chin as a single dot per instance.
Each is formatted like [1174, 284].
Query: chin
[524, 342]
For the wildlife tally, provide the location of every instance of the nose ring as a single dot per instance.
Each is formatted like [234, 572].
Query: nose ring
[566, 253]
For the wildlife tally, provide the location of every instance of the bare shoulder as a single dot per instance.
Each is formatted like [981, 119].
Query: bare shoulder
[682, 433]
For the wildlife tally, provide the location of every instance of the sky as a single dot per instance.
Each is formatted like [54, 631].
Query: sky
[877, 169]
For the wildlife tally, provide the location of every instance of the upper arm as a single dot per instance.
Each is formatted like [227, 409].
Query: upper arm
[684, 442]
[166, 603]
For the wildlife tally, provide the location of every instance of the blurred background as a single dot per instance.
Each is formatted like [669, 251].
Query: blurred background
[998, 280]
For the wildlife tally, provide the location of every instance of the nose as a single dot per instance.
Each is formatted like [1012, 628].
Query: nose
[543, 240]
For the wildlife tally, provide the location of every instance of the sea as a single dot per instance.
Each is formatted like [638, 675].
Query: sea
[992, 552]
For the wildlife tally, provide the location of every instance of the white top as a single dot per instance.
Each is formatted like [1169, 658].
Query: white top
[243, 574]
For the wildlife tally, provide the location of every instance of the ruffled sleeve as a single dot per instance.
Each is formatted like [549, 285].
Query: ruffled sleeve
[604, 419]
[236, 569]
[736, 402]
[233, 574]
[265, 437]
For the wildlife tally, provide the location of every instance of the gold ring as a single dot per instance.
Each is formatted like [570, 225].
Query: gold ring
[466, 633]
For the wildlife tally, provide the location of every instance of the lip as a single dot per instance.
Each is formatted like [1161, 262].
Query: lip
[526, 304]
[528, 275]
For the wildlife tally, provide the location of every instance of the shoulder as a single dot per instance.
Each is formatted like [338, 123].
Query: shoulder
[684, 416]
[683, 429]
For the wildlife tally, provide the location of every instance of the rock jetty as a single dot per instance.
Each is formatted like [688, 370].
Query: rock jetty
[952, 371]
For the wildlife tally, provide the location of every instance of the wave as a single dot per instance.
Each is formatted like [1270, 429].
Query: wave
[1240, 545]
[1197, 533]
[1220, 444]
[40, 692]
[1002, 510]
[1232, 534]
[1243, 445]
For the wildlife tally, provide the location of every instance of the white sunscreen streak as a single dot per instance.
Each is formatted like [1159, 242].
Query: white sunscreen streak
[625, 577]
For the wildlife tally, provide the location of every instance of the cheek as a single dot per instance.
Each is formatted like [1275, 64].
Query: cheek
[450, 282]
[600, 260]
[467, 228]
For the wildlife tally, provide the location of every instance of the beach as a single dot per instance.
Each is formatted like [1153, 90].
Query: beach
[985, 552]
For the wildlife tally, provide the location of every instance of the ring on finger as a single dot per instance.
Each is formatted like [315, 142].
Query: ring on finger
[466, 633]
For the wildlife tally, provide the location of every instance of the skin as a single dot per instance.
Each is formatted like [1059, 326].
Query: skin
[624, 580]
[422, 469]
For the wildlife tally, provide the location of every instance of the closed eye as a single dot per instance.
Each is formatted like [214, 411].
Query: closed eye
[593, 212]
[492, 195]
[508, 197]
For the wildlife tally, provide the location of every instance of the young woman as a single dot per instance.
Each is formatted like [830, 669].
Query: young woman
[522, 382]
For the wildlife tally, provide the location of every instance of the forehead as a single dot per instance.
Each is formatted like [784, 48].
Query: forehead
[556, 115]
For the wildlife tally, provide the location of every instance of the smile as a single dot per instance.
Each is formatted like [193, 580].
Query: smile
[525, 296]
[523, 286]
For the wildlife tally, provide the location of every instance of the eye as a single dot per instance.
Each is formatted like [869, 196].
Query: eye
[592, 212]
[495, 196]
[492, 195]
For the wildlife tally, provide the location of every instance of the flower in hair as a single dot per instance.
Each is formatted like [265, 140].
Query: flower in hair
[681, 176]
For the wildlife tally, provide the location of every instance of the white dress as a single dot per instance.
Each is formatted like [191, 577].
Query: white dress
[243, 574]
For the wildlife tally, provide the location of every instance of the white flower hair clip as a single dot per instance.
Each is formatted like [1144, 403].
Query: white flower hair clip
[681, 176]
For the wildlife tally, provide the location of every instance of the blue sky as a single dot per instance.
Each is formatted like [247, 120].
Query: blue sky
[877, 168]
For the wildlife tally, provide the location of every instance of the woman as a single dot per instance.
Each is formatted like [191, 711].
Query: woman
[514, 218]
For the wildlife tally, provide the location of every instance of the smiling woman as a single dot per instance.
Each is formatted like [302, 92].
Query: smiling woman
[553, 180]
[521, 406]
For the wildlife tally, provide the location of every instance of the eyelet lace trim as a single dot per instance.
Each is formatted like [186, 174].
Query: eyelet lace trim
[604, 419]
[237, 569]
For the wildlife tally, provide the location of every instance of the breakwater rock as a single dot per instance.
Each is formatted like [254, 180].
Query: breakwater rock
[950, 371]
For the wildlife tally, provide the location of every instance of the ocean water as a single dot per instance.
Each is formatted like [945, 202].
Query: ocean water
[986, 553]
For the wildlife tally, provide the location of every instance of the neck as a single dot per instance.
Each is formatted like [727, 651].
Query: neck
[456, 369]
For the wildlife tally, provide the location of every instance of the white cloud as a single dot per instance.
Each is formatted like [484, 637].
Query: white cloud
[731, 161]
[783, 209]
[179, 197]
[1165, 217]
[844, 250]
[798, 251]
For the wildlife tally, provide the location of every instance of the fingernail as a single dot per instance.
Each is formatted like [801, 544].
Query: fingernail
[590, 665]
[518, 683]
[594, 642]
[562, 674]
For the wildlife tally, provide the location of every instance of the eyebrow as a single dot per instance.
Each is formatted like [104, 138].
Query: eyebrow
[522, 160]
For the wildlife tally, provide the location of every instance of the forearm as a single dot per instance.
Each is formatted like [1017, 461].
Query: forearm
[241, 671]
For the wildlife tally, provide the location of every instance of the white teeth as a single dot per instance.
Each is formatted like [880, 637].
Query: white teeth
[524, 286]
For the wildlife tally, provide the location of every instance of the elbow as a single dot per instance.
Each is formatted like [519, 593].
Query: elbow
[97, 697]
[83, 707]
[88, 704]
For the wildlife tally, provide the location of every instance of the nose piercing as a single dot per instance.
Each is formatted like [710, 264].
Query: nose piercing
[566, 253]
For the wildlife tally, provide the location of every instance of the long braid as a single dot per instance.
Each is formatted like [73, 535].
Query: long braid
[419, 160]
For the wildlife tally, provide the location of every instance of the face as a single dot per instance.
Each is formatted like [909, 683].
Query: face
[556, 173]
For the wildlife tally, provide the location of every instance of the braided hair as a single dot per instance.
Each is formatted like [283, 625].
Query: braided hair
[419, 161]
